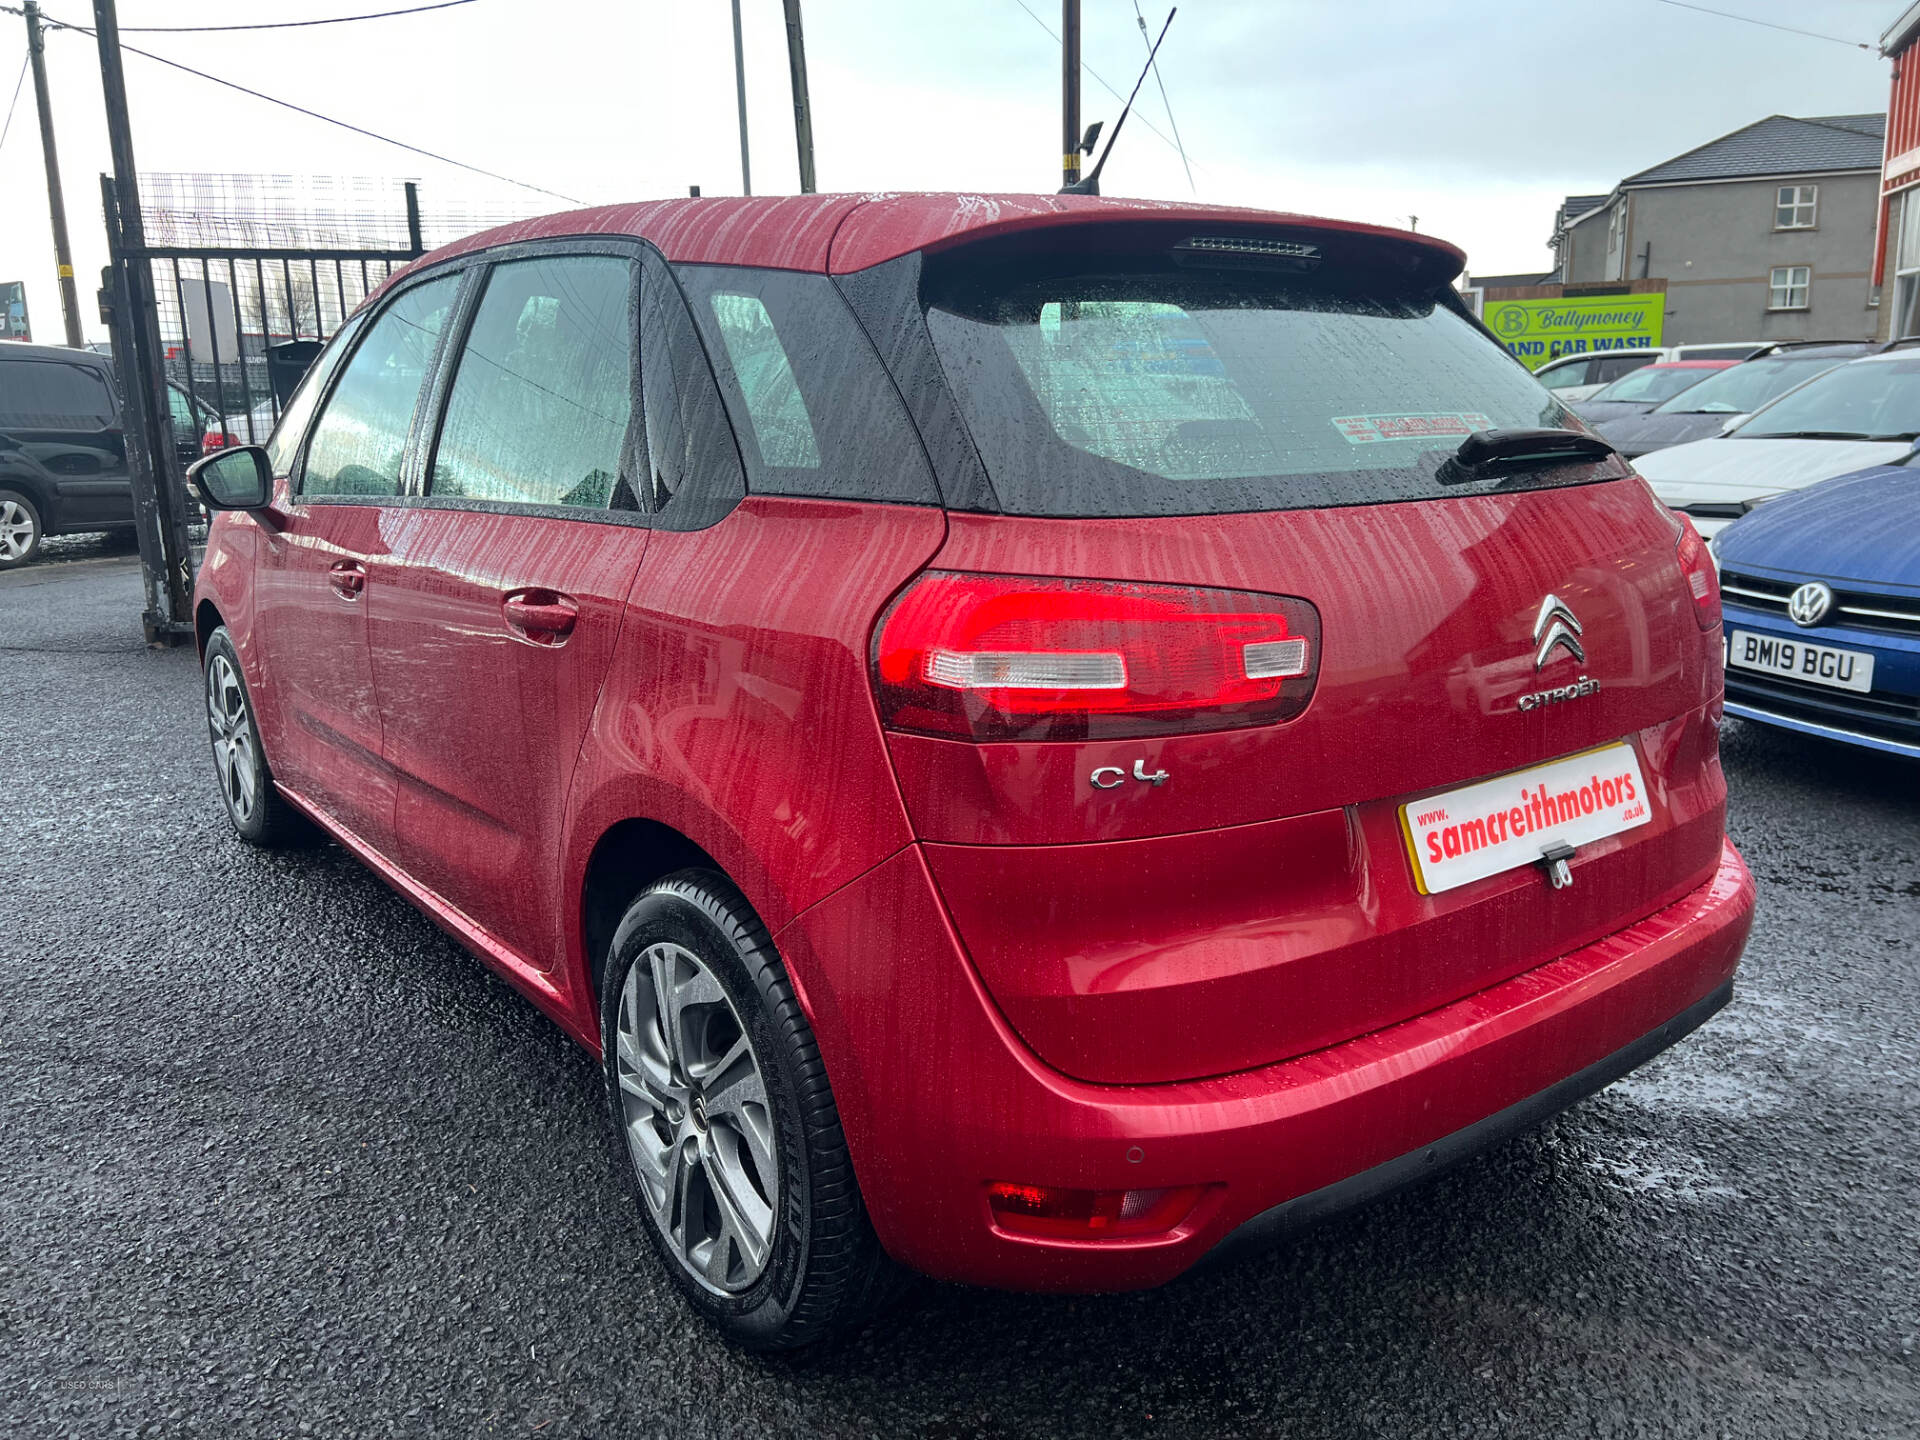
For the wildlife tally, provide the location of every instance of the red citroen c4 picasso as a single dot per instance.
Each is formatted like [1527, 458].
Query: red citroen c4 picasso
[1041, 739]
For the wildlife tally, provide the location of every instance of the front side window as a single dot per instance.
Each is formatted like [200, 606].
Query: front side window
[285, 439]
[541, 399]
[1788, 287]
[179, 410]
[53, 395]
[360, 439]
[1794, 207]
[1172, 392]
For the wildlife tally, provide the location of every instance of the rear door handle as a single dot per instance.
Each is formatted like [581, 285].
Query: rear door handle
[348, 578]
[540, 617]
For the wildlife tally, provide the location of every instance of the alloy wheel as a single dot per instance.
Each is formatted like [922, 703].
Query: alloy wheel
[697, 1119]
[17, 530]
[233, 753]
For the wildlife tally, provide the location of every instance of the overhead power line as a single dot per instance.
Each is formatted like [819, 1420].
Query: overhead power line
[4, 129]
[328, 119]
[1172, 123]
[285, 24]
[1767, 24]
[1098, 76]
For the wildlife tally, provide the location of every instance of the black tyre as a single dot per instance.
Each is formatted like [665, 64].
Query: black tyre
[21, 529]
[726, 1125]
[259, 815]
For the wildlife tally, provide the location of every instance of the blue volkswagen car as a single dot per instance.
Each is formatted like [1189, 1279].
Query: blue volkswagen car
[1820, 590]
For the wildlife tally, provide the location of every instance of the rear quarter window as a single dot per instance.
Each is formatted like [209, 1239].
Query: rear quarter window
[1168, 392]
[54, 395]
[816, 410]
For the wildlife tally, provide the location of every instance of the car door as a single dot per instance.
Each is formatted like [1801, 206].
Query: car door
[314, 567]
[64, 446]
[497, 599]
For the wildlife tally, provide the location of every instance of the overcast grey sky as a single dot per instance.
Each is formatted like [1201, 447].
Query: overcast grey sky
[1477, 116]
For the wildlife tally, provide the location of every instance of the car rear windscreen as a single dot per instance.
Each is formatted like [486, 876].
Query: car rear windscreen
[1168, 391]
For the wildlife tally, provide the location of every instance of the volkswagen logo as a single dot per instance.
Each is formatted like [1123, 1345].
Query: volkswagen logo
[1809, 604]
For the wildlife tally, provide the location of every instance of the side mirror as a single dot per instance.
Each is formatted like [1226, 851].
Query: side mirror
[237, 478]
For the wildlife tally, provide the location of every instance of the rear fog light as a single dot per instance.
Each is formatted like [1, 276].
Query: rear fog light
[1055, 1213]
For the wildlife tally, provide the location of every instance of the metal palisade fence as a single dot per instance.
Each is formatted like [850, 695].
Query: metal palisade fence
[218, 300]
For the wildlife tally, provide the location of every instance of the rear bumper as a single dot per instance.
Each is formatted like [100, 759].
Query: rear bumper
[939, 1097]
[1270, 1227]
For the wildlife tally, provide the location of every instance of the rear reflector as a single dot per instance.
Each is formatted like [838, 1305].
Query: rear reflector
[1005, 657]
[1056, 1213]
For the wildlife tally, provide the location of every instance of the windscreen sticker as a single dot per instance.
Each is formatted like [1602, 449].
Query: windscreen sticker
[1370, 429]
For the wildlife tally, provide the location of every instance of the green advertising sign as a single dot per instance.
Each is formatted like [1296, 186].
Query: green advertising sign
[1541, 330]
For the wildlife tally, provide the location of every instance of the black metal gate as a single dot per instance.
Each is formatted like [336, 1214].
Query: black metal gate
[208, 343]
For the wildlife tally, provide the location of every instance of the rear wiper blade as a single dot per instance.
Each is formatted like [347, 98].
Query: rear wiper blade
[1486, 453]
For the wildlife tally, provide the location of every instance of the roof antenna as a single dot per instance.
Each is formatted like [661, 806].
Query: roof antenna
[1091, 184]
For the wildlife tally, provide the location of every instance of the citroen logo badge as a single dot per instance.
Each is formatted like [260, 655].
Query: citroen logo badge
[1809, 604]
[1557, 627]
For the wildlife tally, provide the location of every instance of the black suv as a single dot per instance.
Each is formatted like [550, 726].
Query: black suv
[63, 457]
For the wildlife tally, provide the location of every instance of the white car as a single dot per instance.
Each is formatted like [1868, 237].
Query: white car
[1575, 377]
[1865, 412]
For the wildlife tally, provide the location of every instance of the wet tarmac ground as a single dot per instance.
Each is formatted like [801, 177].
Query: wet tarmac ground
[278, 1158]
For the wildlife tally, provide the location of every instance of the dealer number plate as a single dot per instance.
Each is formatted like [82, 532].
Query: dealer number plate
[1479, 830]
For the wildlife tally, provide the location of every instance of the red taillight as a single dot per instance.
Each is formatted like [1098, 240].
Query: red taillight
[1057, 1213]
[215, 440]
[1703, 580]
[1002, 657]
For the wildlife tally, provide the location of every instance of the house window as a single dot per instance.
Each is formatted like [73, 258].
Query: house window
[1794, 206]
[1616, 242]
[1906, 270]
[1788, 287]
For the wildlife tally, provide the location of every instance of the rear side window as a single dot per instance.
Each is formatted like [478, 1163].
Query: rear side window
[1171, 392]
[54, 395]
[360, 440]
[693, 472]
[1565, 377]
[816, 410]
[544, 390]
[1615, 366]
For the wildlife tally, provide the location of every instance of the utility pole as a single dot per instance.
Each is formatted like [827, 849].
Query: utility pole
[1070, 91]
[740, 88]
[159, 503]
[56, 204]
[802, 115]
